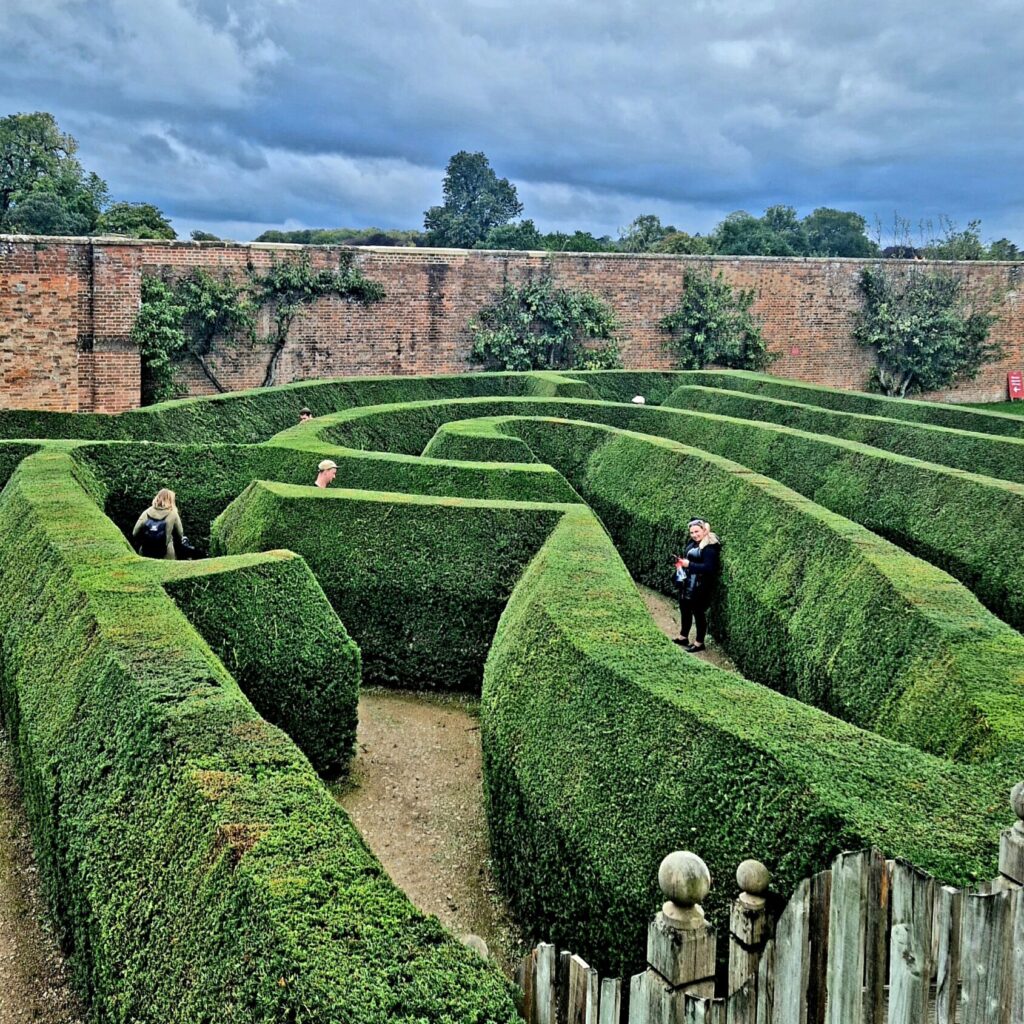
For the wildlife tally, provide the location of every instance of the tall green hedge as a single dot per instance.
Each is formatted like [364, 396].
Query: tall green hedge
[962, 522]
[198, 869]
[958, 417]
[605, 746]
[809, 603]
[267, 620]
[207, 478]
[419, 582]
[975, 452]
[248, 417]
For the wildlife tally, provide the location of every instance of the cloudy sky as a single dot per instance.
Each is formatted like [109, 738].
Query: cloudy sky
[239, 115]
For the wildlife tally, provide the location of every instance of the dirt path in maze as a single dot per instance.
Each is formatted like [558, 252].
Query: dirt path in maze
[665, 612]
[33, 981]
[416, 795]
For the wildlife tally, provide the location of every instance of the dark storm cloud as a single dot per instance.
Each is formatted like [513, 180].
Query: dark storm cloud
[267, 111]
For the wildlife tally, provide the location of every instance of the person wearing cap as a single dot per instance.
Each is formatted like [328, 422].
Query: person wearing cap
[696, 574]
[304, 414]
[327, 471]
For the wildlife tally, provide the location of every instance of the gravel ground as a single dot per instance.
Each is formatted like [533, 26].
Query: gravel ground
[665, 612]
[33, 980]
[416, 795]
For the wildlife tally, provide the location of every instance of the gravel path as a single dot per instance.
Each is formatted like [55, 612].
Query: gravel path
[33, 981]
[665, 612]
[416, 795]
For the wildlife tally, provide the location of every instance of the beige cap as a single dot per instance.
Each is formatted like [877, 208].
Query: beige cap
[327, 464]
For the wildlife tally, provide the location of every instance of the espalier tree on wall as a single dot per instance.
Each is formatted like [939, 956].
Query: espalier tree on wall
[536, 326]
[713, 323]
[926, 332]
[191, 314]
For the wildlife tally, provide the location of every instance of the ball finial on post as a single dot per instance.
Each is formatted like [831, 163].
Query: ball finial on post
[753, 878]
[1017, 803]
[684, 878]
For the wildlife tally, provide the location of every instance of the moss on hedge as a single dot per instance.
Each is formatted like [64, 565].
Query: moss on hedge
[198, 868]
[419, 582]
[605, 746]
[975, 452]
[267, 620]
[959, 417]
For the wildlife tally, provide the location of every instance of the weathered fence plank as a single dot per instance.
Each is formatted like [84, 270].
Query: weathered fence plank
[876, 936]
[910, 957]
[846, 938]
[985, 948]
[1017, 958]
[947, 964]
[821, 898]
[741, 1006]
[766, 984]
[545, 994]
[592, 1005]
[562, 987]
[638, 1001]
[792, 961]
[611, 1001]
[576, 1012]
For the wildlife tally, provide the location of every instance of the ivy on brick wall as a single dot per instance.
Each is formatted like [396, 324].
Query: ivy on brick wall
[713, 323]
[927, 333]
[535, 326]
[194, 313]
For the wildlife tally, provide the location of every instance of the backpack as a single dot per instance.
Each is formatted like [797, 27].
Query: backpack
[154, 538]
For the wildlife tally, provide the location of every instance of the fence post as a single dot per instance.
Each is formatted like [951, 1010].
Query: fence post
[680, 945]
[748, 923]
[1011, 842]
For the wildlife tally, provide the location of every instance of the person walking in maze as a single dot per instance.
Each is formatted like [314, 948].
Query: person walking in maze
[696, 573]
[326, 472]
[304, 415]
[158, 527]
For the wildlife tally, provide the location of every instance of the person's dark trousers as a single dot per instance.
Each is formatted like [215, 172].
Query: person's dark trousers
[686, 614]
[699, 603]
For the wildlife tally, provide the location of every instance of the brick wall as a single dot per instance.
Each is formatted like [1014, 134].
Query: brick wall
[67, 305]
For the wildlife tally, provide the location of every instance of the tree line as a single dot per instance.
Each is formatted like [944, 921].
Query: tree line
[482, 211]
[44, 190]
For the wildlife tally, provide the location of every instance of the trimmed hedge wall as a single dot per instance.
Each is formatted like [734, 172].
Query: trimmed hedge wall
[810, 603]
[606, 746]
[207, 478]
[198, 868]
[962, 522]
[267, 620]
[958, 417]
[248, 417]
[1001, 457]
[419, 582]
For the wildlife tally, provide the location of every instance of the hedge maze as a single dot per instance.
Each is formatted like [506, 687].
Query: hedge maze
[172, 722]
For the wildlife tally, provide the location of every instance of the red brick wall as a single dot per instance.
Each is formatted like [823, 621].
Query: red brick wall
[88, 292]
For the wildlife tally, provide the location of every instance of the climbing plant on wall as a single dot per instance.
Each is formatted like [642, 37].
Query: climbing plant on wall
[713, 323]
[926, 331]
[535, 326]
[193, 313]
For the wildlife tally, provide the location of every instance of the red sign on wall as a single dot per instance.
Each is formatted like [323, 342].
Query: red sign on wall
[1015, 383]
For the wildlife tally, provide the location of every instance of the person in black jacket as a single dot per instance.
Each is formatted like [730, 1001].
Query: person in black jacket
[696, 574]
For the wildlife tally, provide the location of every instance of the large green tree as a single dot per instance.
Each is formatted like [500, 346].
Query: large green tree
[43, 187]
[135, 220]
[644, 233]
[475, 200]
[837, 233]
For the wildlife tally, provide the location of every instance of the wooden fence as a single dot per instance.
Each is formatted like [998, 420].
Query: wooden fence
[867, 941]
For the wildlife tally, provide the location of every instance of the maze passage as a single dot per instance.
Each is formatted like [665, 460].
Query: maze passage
[484, 533]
